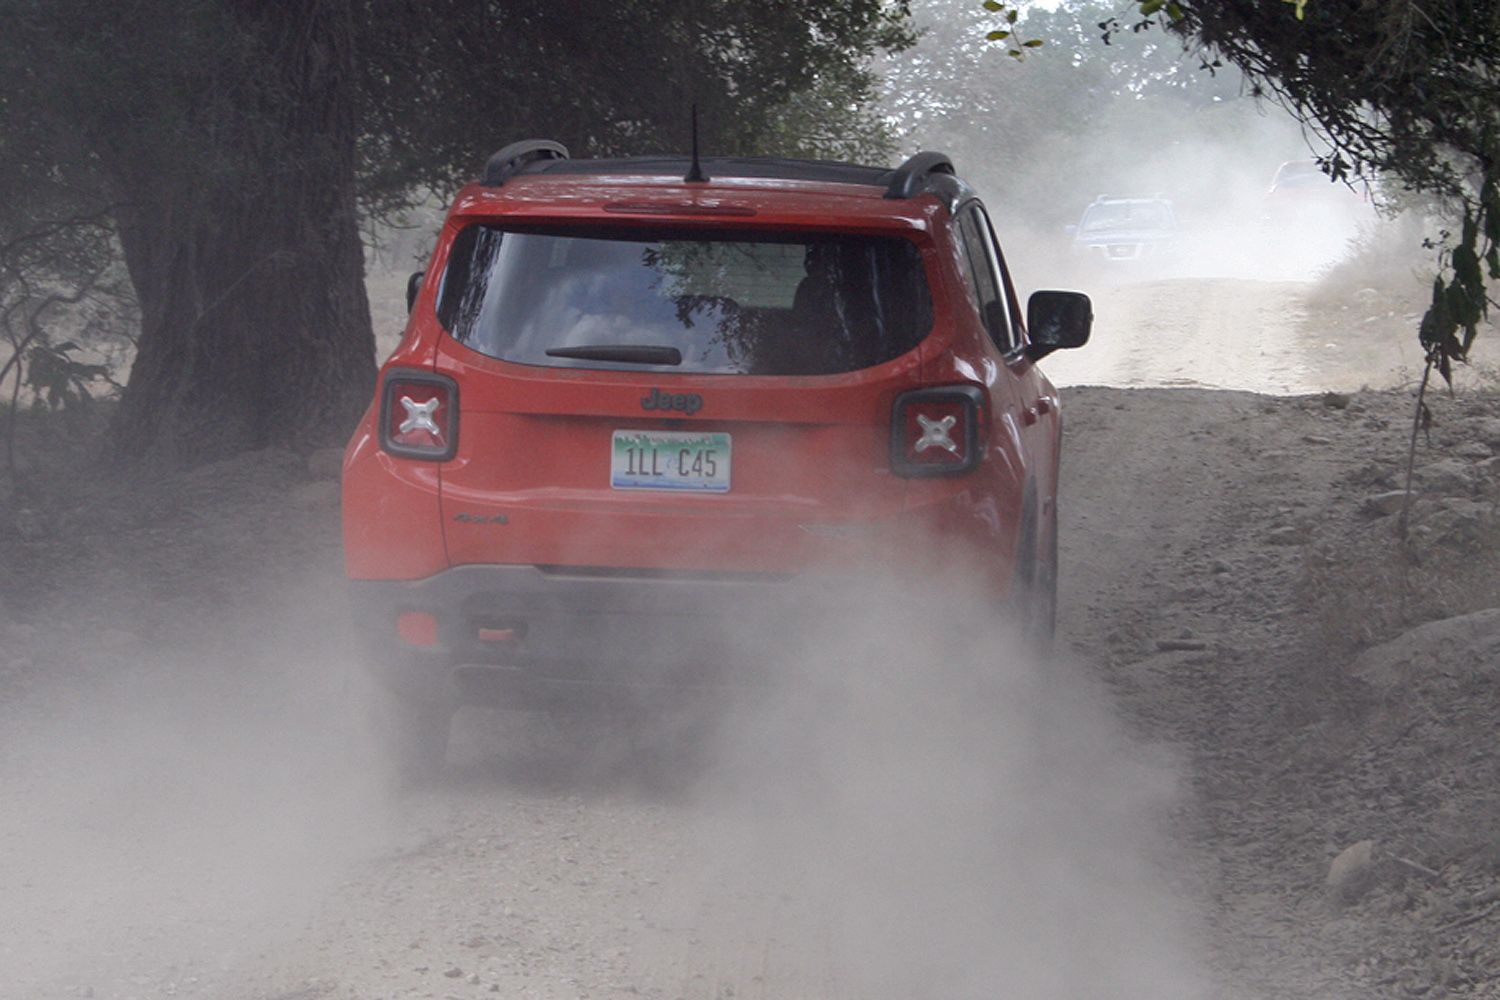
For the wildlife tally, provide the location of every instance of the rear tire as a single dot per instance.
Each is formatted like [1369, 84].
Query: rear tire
[1044, 591]
[1035, 585]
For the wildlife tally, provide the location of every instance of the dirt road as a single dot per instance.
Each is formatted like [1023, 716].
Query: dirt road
[1223, 334]
[1236, 333]
[182, 818]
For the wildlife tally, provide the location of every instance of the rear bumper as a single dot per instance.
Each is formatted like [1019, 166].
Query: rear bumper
[591, 627]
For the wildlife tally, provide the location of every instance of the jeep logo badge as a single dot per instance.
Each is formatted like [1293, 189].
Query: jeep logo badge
[687, 402]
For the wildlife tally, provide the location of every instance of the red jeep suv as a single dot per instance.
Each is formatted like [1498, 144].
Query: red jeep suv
[646, 408]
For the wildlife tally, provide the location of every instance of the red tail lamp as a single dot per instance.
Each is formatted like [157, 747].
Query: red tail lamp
[936, 432]
[419, 415]
[417, 628]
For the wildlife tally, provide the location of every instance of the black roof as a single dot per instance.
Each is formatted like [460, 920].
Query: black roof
[780, 168]
[927, 171]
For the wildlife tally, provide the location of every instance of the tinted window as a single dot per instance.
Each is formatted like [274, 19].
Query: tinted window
[729, 302]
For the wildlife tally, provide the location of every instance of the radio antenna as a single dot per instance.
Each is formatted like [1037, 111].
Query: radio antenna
[695, 174]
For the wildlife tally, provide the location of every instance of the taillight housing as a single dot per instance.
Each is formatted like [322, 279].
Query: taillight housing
[419, 415]
[936, 432]
[417, 628]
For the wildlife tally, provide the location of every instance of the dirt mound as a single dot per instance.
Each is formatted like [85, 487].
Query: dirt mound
[1459, 649]
[1421, 779]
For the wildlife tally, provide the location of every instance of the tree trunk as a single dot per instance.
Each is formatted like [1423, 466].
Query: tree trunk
[247, 261]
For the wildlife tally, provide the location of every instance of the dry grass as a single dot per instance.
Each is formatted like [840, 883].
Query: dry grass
[1386, 268]
[1365, 310]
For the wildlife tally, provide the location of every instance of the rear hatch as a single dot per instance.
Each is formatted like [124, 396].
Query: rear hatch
[674, 398]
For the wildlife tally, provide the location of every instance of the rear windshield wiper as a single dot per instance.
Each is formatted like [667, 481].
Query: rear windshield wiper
[632, 354]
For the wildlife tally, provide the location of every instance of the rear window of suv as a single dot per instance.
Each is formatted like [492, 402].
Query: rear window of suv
[726, 302]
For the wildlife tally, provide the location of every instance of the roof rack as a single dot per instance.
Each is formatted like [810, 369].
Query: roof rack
[911, 178]
[925, 173]
[510, 159]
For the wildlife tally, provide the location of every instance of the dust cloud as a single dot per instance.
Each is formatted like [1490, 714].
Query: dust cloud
[1228, 225]
[168, 814]
[917, 806]
[903, 803]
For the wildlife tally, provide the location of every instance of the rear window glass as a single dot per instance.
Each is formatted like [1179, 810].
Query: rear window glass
[724, 302]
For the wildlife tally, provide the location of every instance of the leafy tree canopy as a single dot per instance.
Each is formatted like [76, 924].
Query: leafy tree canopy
[229, 144]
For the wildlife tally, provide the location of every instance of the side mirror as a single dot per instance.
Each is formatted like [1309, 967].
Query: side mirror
[1057, 320]
[1070, 230]
[413, 286]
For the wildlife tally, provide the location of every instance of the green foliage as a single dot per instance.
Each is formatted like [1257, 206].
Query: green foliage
[55, 276]
[446, 82]
[224, 146]
[1016, 46]
[57, 249]
[834, 118]
[180, 90]
[59, 378]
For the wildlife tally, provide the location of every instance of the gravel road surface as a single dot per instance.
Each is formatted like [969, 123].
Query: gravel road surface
[185, 814]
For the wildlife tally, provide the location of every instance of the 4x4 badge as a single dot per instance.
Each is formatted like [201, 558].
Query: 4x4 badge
[687, 402]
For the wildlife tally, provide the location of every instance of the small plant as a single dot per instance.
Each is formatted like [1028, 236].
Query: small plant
[97, 311]
[57, 377]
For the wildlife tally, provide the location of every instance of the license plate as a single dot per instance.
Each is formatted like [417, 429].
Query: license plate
[669, 460]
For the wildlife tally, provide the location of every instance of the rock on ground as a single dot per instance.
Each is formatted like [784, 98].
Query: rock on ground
[1466, 644]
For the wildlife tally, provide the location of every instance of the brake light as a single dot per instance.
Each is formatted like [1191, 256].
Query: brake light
[417, 628]
[419, 415]
[678, 208]
[936, 432]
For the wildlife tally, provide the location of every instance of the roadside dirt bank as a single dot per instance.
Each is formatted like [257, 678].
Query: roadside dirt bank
[182, 812]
